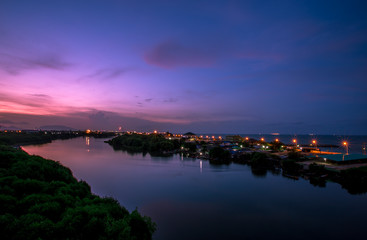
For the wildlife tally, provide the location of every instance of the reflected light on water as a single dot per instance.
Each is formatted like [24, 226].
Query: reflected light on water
[231, 199]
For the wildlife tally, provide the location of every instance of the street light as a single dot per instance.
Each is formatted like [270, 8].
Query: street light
[314, 142]
[346, 146]
[295, 143]
[262, 139]
[277, 140]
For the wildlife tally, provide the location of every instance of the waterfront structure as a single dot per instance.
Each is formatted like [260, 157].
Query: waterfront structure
[344, 159]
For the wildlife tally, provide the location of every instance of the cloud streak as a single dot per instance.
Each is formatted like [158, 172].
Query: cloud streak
[107, 73]
[15, 65]
[173, 54]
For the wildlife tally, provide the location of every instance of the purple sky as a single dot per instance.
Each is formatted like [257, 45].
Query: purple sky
[202, 66]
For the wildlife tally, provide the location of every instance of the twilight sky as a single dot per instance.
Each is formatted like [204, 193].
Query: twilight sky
[204, 66]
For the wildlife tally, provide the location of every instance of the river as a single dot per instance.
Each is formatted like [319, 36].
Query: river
[191, 199]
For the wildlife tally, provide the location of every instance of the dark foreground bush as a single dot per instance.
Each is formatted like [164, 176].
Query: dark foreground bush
[40, 199]
[290, 166]
[219, 156]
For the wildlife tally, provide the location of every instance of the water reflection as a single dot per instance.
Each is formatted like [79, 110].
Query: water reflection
[87, 142]
[259, 172]
[223, 202]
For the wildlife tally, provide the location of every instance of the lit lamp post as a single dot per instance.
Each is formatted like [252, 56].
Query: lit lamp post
[314, 142]
[346, 146]
[277, 140]
[295, 143]
[262, 139]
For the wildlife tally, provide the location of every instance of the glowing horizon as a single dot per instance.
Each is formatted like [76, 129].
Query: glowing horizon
[238, 67]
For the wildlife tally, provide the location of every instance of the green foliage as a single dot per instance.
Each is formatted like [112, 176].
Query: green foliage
[290, 166]
[11, 138]
[40, 199]
[153, 143]
[190, 146]
[243, 158]
[259, 159]
[219, 156]
[23, 138]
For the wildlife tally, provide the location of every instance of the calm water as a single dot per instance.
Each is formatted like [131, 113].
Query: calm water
[190, 199]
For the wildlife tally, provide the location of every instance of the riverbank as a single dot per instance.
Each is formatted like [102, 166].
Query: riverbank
[21, 138]
[41, 199]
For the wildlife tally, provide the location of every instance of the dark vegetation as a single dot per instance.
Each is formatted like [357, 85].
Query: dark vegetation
[354, 180]
[40, 199]
[154, 144]
[218, 155]
[260, 163]
[40, 137]
[23, 138]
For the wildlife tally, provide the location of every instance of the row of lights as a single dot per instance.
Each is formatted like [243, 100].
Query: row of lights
[295, 142]
[17, 131]
[276, 140]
